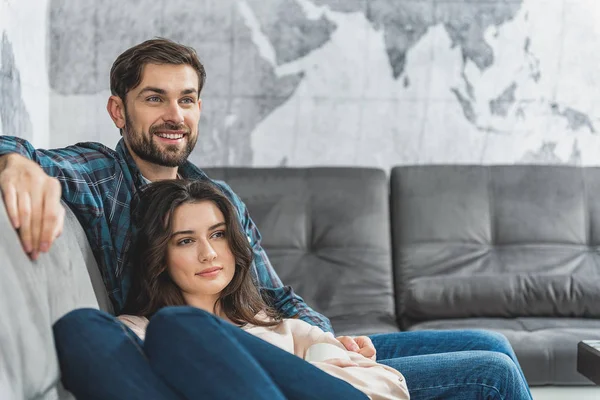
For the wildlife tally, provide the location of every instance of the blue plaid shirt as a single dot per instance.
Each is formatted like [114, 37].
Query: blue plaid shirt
[98, 184]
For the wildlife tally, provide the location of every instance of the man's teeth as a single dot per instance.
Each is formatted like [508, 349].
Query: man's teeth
[170, 135]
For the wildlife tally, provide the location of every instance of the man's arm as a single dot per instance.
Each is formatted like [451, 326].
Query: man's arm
[283, 298]
[32, 183]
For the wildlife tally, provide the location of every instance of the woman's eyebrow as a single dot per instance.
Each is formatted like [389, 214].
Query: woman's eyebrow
[215, 226]
[191, 232]
[183, 233]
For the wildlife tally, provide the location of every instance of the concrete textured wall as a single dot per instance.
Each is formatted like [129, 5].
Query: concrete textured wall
[24, 88]
[326, 82]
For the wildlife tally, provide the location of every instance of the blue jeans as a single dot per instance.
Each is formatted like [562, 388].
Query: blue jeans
[457, 364]
[188, 354]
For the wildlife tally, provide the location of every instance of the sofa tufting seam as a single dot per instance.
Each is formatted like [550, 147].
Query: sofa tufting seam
[491, 205]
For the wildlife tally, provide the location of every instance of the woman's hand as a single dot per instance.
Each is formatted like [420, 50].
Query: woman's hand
[340, 362]
[361, 345]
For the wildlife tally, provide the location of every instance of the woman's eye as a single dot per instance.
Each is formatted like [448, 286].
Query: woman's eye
[218, 234]
[184, 241]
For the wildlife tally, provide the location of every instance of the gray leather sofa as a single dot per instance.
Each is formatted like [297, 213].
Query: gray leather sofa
[511, 249]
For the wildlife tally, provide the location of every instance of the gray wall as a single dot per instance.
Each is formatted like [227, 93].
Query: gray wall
[326, 82]
[24, 88]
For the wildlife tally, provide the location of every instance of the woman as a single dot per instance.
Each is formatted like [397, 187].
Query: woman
[189, 250]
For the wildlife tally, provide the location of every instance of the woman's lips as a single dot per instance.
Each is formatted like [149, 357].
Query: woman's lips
[209, 272]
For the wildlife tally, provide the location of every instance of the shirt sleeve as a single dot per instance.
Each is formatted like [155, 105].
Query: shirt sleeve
[72, 166]
[378, 381]
[283, 298]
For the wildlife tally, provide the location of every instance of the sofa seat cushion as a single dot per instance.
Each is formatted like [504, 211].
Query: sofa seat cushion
[546, 347]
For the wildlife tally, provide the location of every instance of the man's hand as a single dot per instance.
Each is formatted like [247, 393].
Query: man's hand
[32, 200]
[361, 345]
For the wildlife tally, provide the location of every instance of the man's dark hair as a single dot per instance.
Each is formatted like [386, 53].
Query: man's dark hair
[152, 219]
[126, 71]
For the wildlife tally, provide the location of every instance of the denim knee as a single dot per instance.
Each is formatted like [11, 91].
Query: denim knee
[169, 321]
[500, 361]
[72, 333]
[490, 340]
[170, 315]
[80, 319]
[498, 374]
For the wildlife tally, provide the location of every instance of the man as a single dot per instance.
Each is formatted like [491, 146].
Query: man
[155, 103]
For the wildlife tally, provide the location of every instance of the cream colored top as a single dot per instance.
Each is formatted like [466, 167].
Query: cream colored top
[295, 336]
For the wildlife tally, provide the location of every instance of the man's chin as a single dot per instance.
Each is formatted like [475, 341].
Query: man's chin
[174, 161]
[169, 162]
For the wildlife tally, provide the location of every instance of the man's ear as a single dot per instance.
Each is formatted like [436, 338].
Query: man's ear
[116, 110]
[200, 105]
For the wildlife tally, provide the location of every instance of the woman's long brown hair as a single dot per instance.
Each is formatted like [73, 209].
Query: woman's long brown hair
[151, 286]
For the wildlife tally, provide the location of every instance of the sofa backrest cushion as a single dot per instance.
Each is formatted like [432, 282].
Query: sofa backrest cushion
[326, 232]
[496, 241]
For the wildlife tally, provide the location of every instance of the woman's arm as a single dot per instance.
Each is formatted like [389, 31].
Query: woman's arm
[377, 381]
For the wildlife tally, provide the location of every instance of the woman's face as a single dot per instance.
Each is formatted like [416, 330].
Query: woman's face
[199, 259]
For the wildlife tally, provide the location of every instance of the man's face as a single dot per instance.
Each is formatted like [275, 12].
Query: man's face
[162, 114]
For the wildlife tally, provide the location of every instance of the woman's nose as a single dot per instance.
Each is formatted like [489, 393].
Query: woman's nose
[207, 254]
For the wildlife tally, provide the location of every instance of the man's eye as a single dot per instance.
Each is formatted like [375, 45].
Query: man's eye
[153, 99]
[188, 100]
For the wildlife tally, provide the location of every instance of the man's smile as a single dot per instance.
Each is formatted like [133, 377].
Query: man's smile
[171, 136]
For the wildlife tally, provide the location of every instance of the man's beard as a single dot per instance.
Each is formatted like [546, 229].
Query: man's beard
[144, 146]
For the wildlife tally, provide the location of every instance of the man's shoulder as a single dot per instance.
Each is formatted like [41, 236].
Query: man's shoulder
[91, 148]
[221, 185]
[228, 191]
[92, 156]
[194, 172]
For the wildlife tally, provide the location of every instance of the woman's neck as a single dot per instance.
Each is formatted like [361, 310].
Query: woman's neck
[210, 305]
[206, 303]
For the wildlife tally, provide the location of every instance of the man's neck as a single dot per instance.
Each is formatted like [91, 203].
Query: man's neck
[154, 172]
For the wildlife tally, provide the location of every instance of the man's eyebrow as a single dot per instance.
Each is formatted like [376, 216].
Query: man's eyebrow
[163, 91]
[152, 89]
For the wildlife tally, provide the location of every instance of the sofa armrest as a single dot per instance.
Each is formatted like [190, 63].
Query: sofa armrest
[33, 295]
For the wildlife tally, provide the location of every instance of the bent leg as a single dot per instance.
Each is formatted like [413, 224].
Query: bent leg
[417, 343]
[461, 375]
[100, 358]
[215, 349]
